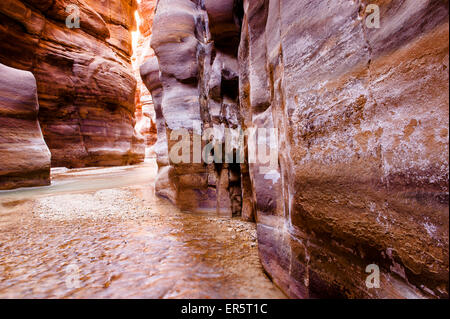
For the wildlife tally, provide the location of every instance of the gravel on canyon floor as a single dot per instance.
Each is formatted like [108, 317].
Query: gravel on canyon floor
[125, 243]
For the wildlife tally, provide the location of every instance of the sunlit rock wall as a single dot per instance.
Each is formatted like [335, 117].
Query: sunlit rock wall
[362, 121]
[24, 156]
[85, 83]
[145, 110]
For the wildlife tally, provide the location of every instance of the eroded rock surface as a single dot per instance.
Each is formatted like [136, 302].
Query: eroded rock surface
[145, 110]
[24, 156]
[85, 83]
[362, 121]
[186, 80]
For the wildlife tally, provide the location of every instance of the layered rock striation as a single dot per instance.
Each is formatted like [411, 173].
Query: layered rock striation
[194, 82]
[361, 116]
[24, 156]
[85, 82]
[145, 110]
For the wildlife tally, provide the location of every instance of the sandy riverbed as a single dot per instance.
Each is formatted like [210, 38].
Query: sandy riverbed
[102, 233]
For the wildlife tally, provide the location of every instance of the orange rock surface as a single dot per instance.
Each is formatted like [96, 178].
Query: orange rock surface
[145, 110]
[85, 85]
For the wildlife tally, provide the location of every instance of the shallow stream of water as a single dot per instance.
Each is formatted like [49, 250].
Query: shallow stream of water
[102, 233]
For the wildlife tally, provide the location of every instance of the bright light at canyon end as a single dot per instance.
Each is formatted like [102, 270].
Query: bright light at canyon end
[136, 35]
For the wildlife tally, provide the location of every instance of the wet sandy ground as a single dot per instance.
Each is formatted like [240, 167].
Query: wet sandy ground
[102, 233]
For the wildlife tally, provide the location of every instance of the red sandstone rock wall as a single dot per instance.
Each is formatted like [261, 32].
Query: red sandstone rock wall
[85, 85]
[145, 110]
[363, 119]
[362, 116]
[24, 156]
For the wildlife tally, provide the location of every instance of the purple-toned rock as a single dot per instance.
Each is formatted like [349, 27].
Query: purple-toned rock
[24, 156]
[85, 83]
[362, 115]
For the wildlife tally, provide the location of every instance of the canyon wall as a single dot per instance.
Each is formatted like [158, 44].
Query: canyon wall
[24, 156]
[362, 119]
[85, 83]
[145, 110]
[192, 73]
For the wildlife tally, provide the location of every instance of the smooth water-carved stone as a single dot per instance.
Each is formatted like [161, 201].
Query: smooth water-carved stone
[361, 114]
[85, 84]
[24, 156]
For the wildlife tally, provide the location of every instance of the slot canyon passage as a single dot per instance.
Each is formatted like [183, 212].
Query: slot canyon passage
[93, 204]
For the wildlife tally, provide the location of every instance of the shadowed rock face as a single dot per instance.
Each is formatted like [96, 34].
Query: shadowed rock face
[85, 84]
[362, 120]
[193, 79]
[24, 156]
